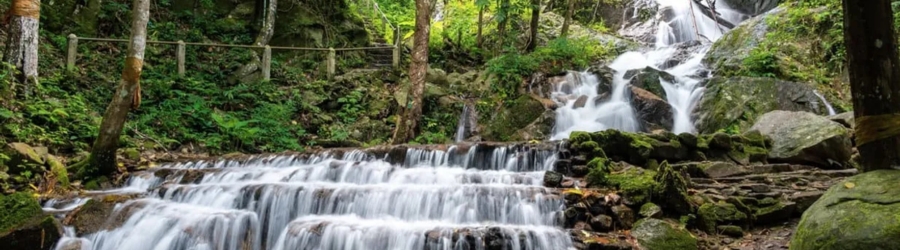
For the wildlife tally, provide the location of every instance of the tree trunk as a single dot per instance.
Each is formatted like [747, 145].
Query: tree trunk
[570, 11]
[22, 43]
[409, 120]
[874, 75]
[103, 154]
[535, 19]
[501, 27]
[480, 38]
[266, 30]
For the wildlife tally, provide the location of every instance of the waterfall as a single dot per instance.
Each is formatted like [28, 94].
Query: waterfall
[679, 21]
[461, 125]
[458, 197]
[827, 104]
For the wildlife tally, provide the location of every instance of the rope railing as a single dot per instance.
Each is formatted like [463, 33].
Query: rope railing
[266, 64]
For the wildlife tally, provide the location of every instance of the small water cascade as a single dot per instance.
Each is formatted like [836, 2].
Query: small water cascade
[461, 125]
[826, 103]
[456, 197]
[679, 22]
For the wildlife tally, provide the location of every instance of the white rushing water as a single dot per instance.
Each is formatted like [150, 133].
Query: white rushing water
[827, 104]
[431, 199]
[614, 110]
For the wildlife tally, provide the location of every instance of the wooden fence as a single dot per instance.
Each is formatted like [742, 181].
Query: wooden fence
[266, 63]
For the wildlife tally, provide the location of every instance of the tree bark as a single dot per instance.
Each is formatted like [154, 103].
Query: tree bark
[479, 37]
[874, 75]
[408, 122]
[501, 27]
[103, 154]
[535, 19]
[266, 30]
[570, 11]
[22, 43]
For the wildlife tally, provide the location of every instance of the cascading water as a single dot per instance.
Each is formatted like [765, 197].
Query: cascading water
[461, 125]
[827, 104]
[431, 199]
[680, 21]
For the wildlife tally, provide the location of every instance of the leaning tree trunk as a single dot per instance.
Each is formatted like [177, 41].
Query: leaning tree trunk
[103, 154]
[262, 38]
[874, 75]
[408, 122]
[570, 11]
[22, 43]
[535, 19]
[479, 37]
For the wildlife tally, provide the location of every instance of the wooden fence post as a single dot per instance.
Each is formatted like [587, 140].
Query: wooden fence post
[396, 61]
[179, 54]
[266, 66]
[72, 52]
[330, 64]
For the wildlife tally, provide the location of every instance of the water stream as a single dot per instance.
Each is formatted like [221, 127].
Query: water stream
[680, 21]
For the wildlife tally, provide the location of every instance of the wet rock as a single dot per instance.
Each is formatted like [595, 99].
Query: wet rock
[552, 179]
[97, 214]
[752, 7]
[805, 138]
[624, 215]
[562, 166]
[580, 171]
[684, 52]
[653, 111]
[650, 210]
[723, 169]
[858, 213]
[539, 129]
[602, 223]
[728, 53]
[650, 79]
[567, 183]
[582, 226]
[736, 103]
[658, 234]
[512, 117]
[580, 102]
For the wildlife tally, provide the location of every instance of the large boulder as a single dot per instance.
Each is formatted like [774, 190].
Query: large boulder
[728, 53]
[503, 123]
[653, 234]
[805, 138]
[653, 112]
[650, 79]
[734, 103]
[858, 213]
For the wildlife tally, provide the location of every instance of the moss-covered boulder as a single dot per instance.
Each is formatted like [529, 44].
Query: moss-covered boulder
[40, 232]
[650, 79]
[733, 104]
[656, 234]
[636, 184]
[23, 157]
[860, 212]
[673, 190]
[711, 215]
[728, 53]
[16, 209]
[805, 138]
[511, 117]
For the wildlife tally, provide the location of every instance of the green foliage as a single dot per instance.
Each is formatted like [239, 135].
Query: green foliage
[559, 55]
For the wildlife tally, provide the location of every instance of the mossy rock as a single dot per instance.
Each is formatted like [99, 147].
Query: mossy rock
[512, 117]
[860, 212]
[733, 104]
[59, 170]
[98, 214]
[23, 157]
[40, 232]
[715, 214]
[655, 234]
[636, 184]
[672, 190]
[806, 138]
[17, 209]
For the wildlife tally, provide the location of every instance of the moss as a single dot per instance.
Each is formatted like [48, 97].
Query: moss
[649, 210]
[17, 209]
[672, 190]
[578, 137]
[59, 171]
[714, 214]
[730, 230]
[659, 234]
[132, 154]
[512, 117]
[636, 184]
[95, 184]
[599, 170]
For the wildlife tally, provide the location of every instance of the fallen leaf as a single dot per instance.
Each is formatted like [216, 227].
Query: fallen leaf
[849, 185]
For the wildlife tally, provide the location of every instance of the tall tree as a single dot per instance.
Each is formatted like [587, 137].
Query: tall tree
[503, 14]
[267, 9]
[408, 121]
[570, 11]
[535, 19]
[103, 154]
[874, 81]
[22, 43]
[482, 6]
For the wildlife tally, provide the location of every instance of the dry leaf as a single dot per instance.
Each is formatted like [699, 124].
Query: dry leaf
[849, 185]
